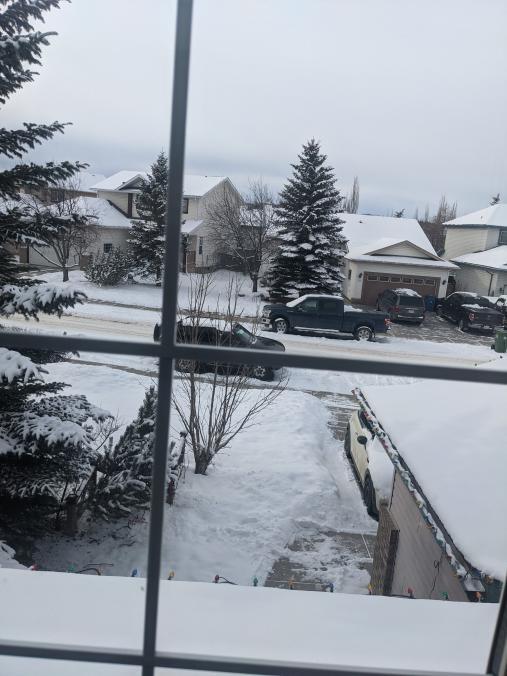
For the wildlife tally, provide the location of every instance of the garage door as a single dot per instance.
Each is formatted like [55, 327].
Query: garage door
[375, 282]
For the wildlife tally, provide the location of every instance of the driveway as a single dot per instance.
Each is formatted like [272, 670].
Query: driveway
[437, 330]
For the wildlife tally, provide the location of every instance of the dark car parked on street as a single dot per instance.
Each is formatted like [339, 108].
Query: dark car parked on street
[216, 333]
[326, 315]
[402, 304]
[469, 310]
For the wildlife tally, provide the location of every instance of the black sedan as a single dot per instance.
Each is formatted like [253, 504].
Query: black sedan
[218, 333]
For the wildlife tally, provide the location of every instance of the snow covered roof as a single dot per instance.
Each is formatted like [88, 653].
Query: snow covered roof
[188, 226]
[86, 180]
[450, 436]
[370, 233]
[493, 216]
[193, 185]
[496, 258]
[255, 623]
[106, 215]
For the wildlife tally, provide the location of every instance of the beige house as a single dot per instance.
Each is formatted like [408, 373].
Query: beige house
[389, 253]
[477, 243]
[120, 191]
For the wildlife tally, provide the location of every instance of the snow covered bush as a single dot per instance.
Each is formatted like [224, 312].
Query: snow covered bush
[108, 268]
[309, 258]
[48, 444]
[125, 481]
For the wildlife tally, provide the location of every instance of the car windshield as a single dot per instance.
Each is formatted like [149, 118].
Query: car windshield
[243, 334]
[411, 301]
[477, 300]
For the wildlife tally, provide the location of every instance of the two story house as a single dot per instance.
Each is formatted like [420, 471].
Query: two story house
[121, 189]
[477, 243]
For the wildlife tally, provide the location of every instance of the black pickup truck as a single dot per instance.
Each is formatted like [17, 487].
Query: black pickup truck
[470, 310]
[326, 315]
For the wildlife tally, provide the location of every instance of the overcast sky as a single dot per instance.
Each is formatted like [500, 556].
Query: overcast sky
[409, 95]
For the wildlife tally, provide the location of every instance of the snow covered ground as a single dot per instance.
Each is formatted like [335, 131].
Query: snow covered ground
[284, 474]
[270, 624]
[150, 296]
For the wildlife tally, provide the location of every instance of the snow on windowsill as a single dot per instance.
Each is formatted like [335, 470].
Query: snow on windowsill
[268, 624]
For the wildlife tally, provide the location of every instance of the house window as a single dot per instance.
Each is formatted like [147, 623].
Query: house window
[383, 278]
[502, 239]
[166, 352]
[371, 277]
[201, 239]
[184, 205]
[108, 247]
[395, 279]
[418, 280]
[408, 280]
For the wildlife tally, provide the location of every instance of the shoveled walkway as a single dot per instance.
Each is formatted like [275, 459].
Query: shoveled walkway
[319, 556]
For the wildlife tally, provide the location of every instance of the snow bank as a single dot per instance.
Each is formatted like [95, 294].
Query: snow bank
[269, 624]
[451, 435]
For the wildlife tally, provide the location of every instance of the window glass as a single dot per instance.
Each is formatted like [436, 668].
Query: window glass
[328, 306]
[308, 305]
[371, 276]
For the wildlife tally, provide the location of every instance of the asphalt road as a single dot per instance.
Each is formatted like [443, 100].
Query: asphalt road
[140, 328]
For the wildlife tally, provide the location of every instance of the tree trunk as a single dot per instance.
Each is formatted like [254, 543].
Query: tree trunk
[254, 284]
[71, 520]
[65, 274]
[201, 464]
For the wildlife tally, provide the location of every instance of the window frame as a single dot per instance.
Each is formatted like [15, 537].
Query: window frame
[167, 351]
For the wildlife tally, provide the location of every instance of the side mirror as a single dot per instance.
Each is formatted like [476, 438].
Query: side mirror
[361, 439]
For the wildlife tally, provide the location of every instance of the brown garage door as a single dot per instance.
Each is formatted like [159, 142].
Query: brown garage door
[376, 282]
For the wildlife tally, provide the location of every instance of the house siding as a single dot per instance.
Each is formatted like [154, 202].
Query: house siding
[473, 279]
[402, 249]
[420, 563]
[460, 241]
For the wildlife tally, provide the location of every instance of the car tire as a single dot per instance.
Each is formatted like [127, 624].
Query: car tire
[369, 496]
[263, 373]
[363, 333]
[281, 325]
[463, 325]
[417, 323]
[346, 443]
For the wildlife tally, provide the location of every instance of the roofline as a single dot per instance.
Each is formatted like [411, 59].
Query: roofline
[124, 187]
[473, 225]
[448, 265]
[407, 241]
[456, 560]
[479, 265]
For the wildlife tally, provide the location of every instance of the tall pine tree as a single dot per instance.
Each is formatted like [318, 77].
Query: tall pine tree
[46, 442]
[312, 245]
[148, 233]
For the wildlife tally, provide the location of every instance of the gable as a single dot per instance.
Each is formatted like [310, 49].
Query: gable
[405, 248]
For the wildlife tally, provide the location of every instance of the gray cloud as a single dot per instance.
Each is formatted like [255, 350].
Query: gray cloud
[409, 95]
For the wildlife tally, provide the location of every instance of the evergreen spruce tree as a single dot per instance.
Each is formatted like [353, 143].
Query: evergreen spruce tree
[125, 483]
[20, 49]
[310, 255]
[148, 234]
[46, 442]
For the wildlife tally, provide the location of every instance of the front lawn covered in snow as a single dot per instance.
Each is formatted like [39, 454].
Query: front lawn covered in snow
[283, 474]
[149, 295]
